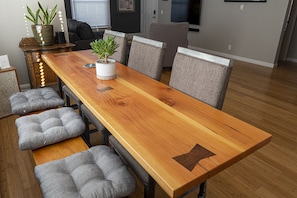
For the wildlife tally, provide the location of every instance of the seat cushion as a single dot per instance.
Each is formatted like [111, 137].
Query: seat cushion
[34, 100]
[48, 127]
[97, 172]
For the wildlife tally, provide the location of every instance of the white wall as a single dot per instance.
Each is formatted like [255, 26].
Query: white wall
[13, 29]
[254, 32]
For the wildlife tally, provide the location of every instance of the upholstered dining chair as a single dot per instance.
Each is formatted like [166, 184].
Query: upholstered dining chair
[89, 118]
[120, 38]
[173, 34]
[146, 56]
[200, 75]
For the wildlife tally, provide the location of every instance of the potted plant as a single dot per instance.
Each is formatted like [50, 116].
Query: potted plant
[105, 67]
[42, 20]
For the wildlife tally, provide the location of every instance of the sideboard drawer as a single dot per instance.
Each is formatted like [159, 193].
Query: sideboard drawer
[39, 72]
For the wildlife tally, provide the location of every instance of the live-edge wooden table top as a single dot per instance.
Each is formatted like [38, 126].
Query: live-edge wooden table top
[179, 140]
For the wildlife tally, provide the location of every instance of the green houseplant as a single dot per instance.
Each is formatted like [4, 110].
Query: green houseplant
[104, 48]
[42, 20]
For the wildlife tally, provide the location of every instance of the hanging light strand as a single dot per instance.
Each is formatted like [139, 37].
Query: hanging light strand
[26, 21]
[61, 20]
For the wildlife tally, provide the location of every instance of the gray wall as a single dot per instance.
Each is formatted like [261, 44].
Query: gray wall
[254, 32]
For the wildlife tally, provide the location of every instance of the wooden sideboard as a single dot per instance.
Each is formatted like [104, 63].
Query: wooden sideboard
[39, 73]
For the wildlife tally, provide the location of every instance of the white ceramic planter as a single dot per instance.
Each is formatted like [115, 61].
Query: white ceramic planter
[106, 71]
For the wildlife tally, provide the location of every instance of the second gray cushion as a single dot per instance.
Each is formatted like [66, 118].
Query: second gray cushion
[48, 127]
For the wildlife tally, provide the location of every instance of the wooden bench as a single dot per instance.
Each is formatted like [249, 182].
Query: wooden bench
[59, 150]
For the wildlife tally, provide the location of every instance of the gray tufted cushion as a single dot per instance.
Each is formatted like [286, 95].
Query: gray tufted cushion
[48, 127]
[34, 100]
[97, 172]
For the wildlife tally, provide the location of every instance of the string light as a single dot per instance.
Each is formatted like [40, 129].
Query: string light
[26, 21]
[61, 20]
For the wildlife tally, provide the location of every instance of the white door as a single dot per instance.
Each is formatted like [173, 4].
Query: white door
[149, 14]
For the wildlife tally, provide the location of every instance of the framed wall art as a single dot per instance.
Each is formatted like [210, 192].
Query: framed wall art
[126, 5]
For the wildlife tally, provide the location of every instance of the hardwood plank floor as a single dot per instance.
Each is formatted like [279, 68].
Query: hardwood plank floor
[264, 97]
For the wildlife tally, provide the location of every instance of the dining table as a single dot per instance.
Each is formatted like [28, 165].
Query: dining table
[179, 140]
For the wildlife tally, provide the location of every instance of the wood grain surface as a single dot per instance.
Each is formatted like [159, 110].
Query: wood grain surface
[134, 108]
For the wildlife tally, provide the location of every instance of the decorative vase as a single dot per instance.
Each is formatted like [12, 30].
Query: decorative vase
[106, 71]
[43, 34]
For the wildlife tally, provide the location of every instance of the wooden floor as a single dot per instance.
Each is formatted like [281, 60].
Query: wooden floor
[264, 97]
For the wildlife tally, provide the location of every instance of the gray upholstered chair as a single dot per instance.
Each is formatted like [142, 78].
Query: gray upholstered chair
[68, 96]
[202, 76]
[96, 172]
[34, 100]
[89, 118]
[147, 181]
[173, 34]
[120, 38]
[146, 56]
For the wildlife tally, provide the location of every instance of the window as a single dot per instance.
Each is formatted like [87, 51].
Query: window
[94, 12]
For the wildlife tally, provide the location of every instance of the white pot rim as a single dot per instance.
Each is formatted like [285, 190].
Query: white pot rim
[101, 61]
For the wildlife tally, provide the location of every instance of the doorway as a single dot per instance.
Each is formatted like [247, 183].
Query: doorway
[149, 10]
[289, 27]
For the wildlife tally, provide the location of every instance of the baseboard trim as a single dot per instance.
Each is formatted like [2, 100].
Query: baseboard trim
[24, 87]
[248, 60]
[292, 60]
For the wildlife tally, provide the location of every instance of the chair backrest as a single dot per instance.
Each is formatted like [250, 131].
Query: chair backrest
[173, 34]
[146, 56]
[120, 37]
[200, 75]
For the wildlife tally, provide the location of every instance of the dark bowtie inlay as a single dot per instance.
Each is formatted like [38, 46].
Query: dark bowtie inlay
[191, 159]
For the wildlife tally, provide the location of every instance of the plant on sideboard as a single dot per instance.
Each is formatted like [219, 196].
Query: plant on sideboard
[104, 48]
[42, 20]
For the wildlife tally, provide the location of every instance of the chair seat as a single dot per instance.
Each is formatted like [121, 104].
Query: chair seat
[89, 118]
[69, 93]
[34, 100]
[97, 172]
[130, 161]
[48, 127]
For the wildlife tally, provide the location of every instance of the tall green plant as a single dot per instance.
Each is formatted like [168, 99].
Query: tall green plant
[45, 16]
[104, 48]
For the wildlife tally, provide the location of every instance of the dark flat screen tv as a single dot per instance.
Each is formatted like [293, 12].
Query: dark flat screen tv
[186, 11]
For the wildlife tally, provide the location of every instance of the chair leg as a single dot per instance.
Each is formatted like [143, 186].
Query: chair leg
[86, 134]
[149, 189]
[67, 100]
[104, 136]
[202, 190]
[79, 103]
[60, 87]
